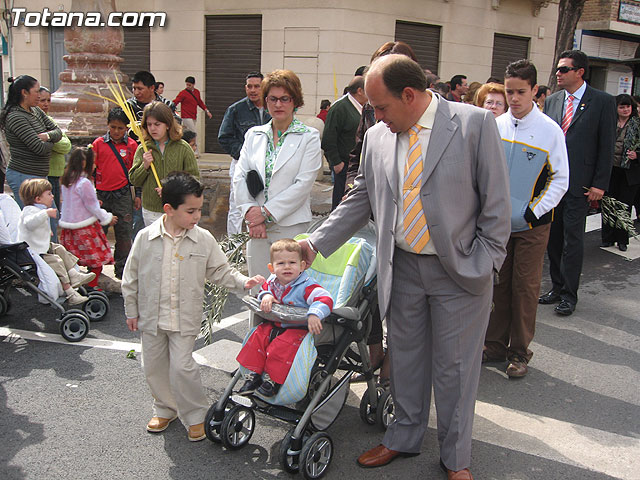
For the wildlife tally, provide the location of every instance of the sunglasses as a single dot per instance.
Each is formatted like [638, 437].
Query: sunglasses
[565, 69]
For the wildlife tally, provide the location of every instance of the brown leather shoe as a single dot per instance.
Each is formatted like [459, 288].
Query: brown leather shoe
[196, 432]
[464, 474]
[159, 424]
[517, 367]
[380, 456]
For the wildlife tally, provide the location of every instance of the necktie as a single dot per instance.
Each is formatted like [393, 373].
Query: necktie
[568, 114]
[416, 231]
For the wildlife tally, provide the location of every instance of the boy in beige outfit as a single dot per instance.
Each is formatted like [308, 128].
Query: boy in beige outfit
[163, 290]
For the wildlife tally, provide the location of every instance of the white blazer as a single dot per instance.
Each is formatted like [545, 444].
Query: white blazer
[294, 171]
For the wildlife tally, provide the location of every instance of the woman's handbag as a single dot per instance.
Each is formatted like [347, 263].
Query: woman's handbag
[254, 183]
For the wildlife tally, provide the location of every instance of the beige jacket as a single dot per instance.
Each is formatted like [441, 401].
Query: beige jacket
[201, 258]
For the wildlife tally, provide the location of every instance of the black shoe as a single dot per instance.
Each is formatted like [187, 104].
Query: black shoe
[622, 247]
[252, 381]
[550, 297]
[606, 244]
[269, 388]
[565, 308]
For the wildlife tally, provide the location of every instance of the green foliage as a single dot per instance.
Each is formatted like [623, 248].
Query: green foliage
[215, 296]
[616, 214]
[131, 354]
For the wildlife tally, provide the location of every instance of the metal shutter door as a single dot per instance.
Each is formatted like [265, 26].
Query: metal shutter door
[137, 45]
[425, 41]
[233, 49]
[507, 49]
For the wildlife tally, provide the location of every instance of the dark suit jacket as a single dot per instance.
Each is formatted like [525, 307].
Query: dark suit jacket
[590, 138]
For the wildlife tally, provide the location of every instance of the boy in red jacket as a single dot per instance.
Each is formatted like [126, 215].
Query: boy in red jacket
[113, 155]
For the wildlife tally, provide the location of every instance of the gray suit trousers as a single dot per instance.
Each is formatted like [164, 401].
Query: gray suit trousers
[436, 335]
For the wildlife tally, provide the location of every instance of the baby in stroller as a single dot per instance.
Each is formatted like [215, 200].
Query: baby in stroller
[317, 386]
[272, 346]
[35, 230]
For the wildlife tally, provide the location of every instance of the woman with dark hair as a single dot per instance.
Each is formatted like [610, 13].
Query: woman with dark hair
[278, 164]
[57, 162]
[625, 173]
[29, 132]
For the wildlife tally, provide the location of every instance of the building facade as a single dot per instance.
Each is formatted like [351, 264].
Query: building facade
[609, 33]
[218, 42]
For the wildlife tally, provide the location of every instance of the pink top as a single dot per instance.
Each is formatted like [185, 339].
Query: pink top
[80, 207]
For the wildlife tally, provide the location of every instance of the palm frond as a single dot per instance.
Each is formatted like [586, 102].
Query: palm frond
[616, 214]
[215, 296]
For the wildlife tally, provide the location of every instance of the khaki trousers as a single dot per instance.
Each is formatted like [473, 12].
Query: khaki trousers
[60, 261]
[512, 323]
[173, 376]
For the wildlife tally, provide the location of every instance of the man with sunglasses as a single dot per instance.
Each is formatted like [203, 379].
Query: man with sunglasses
[588, 118]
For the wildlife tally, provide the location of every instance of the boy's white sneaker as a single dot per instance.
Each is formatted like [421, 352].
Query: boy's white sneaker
[77, 278]
[74, 298]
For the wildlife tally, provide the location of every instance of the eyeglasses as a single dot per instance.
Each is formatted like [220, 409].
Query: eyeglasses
[284, 99]
[492, 103]
[565, 69]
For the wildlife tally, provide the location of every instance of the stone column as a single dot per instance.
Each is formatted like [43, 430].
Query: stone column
[93, 57]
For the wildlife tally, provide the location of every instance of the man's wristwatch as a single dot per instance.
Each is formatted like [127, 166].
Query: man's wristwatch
[312, 246]
[267, 217]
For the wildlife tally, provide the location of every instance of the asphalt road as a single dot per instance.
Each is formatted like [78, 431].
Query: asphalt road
[78, 411]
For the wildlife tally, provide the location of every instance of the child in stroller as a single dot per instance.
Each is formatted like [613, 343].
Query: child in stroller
[272, 346]
[34, 229]
[316, 388]
[23, 267]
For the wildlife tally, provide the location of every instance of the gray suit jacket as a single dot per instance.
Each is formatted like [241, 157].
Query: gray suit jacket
[465, 197]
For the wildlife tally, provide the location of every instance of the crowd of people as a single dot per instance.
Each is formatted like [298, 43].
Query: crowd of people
[466, 200]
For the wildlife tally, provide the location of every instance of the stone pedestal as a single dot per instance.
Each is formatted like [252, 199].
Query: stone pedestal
[92, 59]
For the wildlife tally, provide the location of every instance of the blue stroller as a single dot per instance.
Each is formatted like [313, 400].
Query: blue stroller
[317, 386]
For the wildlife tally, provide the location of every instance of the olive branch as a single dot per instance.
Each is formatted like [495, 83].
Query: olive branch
[215, 296]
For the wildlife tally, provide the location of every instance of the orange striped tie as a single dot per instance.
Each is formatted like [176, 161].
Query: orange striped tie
[416, 231]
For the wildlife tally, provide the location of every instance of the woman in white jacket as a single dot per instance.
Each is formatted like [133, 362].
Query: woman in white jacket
[278, 164]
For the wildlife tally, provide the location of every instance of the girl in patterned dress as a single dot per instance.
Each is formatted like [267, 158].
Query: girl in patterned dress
[82, 218]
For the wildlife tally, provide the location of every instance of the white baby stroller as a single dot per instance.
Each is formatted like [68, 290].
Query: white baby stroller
[317, 386]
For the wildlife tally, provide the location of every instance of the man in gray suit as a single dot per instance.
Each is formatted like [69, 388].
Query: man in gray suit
[433, 174]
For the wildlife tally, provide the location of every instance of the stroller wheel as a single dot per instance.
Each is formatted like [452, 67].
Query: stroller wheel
[316, 455]
[74, 326]
[99, 293]
[212, 431]
[290, 463]
[237, 427]
[385, 413]
[4, 305]
[367, 414]
[96, 307]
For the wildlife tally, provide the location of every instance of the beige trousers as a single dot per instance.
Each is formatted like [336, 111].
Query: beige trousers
[173, 376]
[60, 261]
